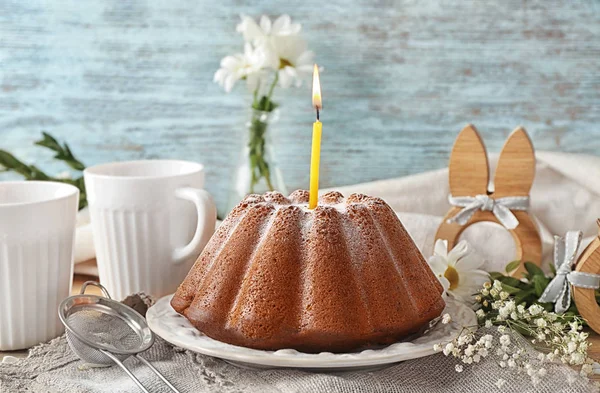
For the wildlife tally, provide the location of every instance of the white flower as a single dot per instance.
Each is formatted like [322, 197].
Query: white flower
[505, 339]
[293, 61]
[586, 369]
[286, 53]
[446, 319]
[535, 309]
[458, 270]
[458, 368]
[258, 33]
[245, 65]
[448, 349]
[500, 382]
[540, 322]
[488, 323]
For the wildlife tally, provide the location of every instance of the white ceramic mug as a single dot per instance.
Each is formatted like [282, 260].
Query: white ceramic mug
[37, 232]
[150, 221]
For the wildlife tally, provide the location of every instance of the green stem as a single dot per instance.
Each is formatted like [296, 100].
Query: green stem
[275, 80]
[255, 97]
[259, 167]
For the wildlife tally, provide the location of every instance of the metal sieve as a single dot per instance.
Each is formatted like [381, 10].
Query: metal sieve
[102, 331]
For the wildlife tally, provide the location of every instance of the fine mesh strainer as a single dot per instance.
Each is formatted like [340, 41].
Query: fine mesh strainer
[102, 331]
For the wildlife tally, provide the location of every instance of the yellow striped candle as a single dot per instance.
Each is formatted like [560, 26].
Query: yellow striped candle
[315, 158]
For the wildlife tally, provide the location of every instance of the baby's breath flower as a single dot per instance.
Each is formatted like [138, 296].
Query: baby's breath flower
[499, 383]
[448, 349]
[541, 322]
[458, 368]
[561, 334]
[535, 309]
[446, 319]
[587, 369]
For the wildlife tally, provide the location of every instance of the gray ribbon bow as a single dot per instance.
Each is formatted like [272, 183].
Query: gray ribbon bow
[501, 208]
[565, 256]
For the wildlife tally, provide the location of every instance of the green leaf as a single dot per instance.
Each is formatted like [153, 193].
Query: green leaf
[496, 275]
[63, 153]
[510, 289]
[534, 270]
[265, 104]
[523, 295]
[10, 162]
[49, 141]
[539, 284]
[512, 266]
[513, 282]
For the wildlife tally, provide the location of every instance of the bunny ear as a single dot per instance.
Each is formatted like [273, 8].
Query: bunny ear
[516, 166]
[469, 171]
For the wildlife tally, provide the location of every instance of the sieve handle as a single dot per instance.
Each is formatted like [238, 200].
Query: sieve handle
[158, 374]
[96, 284]
[120, 364]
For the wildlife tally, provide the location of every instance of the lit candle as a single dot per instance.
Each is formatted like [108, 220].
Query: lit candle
[316, 142]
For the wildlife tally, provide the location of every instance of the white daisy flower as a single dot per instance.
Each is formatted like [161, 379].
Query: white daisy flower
[458, 270]
[286, 53]
[245, 65]
[259, 32]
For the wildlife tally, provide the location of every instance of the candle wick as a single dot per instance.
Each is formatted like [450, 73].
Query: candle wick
[317, 108]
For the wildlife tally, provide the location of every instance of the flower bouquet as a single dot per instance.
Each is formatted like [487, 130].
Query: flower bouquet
[274, 55]
[517, 327]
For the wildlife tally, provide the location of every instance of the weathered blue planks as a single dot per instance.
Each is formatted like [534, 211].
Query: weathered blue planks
[127, 79]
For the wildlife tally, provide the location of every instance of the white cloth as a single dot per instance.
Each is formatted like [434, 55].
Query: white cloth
[565, 196]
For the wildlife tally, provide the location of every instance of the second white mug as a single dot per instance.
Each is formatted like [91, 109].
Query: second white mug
[150, 220]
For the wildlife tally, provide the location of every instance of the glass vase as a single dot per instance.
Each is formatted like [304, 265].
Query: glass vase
[257, 171]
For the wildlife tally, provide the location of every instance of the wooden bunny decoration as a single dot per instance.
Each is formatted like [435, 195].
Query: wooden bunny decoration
[506, 204]
[581, 276]
[588, 265]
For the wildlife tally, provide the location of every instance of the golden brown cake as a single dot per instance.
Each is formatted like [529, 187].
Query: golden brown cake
[342, 277]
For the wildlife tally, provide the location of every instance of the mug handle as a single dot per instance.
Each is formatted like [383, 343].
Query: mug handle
[207, 217]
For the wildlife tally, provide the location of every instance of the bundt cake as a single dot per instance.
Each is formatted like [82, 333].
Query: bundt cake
[341, 277]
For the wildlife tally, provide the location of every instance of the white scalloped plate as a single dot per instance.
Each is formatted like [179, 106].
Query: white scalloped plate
[177, 330]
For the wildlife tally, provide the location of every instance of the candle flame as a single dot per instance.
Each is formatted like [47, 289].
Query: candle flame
[316, 90]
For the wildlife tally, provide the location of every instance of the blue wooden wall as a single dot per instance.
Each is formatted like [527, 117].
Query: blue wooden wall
[129, 79]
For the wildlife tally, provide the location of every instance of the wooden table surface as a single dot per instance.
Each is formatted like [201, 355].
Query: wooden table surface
[78, 280]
